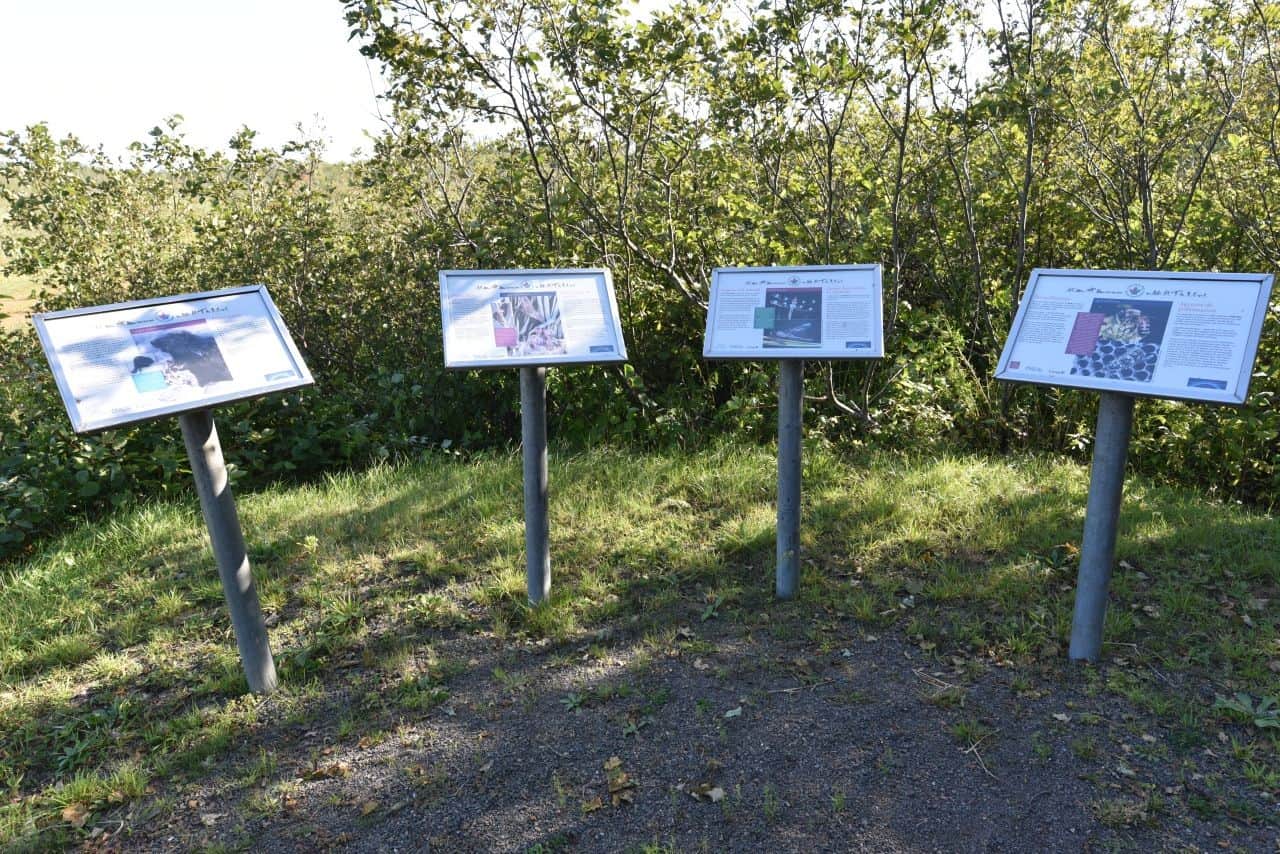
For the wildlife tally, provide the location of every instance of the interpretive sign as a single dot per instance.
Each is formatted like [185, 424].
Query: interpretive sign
[828, 312]
[135, 361]
[1189, 336]
[505, 318]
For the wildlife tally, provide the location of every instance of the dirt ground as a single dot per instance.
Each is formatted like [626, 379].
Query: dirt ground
[731, 737]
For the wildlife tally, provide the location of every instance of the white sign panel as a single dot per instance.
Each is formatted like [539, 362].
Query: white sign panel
[135, 361]
[504, 318]
[831, 312]
[1189, 336]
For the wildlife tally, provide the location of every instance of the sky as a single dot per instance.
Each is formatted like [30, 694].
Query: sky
[110, 70]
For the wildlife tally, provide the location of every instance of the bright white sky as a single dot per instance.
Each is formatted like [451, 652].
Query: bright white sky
[110, 70]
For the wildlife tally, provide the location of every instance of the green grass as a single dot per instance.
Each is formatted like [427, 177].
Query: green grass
[17, 297]
[117, 670]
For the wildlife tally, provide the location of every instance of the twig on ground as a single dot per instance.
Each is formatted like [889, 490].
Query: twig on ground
[973, 748]
[800, 687]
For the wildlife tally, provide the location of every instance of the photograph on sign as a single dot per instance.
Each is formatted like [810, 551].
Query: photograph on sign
[130, 362]
[1189, 336]
[831, 312]
[500, 318]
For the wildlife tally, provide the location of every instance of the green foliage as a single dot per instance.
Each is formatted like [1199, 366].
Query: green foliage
[1264, 713]
[663, 144]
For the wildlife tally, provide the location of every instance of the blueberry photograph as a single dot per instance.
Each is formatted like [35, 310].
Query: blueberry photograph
[1129, 335]
[176, 355]
[791, 317]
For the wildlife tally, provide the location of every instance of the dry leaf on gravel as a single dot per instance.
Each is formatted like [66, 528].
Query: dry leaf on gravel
[621, 786]
[707, 792]
[331, 771]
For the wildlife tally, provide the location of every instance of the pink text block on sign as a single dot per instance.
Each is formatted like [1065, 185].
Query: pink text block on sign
[1084, 333]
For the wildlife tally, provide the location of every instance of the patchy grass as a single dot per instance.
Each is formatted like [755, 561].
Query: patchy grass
[117, 671]
[17, 298]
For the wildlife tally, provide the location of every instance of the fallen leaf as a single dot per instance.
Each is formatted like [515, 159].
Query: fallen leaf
[734, 712]
[332, 771]
[75, 814]
[368, 807]
[1062, 716]
[209, 819]
[593, 805]
[707, 792]
[612, 762]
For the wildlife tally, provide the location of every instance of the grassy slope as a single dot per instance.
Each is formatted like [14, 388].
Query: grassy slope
[116, 667]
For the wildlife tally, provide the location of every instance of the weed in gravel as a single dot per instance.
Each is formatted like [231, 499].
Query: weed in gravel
[1041, 749]
[1121, 812]
[259, 770]
[970, 732]
[770, 803]
[1085, 747]
[560, 789]
[946, 697]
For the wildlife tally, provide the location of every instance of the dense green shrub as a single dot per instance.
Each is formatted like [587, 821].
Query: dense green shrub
[1105, 134]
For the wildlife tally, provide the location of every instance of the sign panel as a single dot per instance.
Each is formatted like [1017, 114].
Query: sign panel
[831, 312]
[505, 318]
[1187, 336]
[135, 361]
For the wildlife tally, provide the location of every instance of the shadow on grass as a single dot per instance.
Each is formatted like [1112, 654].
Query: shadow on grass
[378, 586]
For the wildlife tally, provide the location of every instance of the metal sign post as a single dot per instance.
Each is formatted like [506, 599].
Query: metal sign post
[790, 441]
[789, 315]
[181, 355]
[1101, 520]
[529, 319]
[219, 509]
[533, 429]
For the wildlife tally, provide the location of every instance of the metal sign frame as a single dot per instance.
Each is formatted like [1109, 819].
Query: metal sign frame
[1139, 287]
[501, 281]
[780, 280]
[49, 341]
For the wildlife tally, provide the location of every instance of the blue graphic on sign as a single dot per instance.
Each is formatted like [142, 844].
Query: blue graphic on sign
[1199, 382]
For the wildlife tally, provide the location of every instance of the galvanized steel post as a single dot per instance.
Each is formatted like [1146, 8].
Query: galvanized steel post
[1102, 516]
[227, 539]
[790, 409]
[533, 424]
